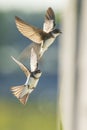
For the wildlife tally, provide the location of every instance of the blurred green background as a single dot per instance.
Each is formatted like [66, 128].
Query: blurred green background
[40, 111]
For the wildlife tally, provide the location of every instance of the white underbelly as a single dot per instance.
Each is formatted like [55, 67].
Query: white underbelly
[33, 82]
[46, 45]
[48, 42]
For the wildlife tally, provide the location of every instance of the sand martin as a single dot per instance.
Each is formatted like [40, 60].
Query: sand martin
[22, 92]
[42, 38]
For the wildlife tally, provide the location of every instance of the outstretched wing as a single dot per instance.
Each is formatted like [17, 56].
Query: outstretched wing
[23, 68]
[33, 60]
[27, 51]
[29, 31]
[49, 23]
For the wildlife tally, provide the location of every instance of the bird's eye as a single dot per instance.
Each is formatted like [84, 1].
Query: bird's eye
[38, 71]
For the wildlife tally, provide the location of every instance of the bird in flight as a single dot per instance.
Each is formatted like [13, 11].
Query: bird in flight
[41, 38]
[22, 92]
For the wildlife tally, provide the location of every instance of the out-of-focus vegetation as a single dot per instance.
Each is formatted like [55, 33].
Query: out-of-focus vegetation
[15, 116]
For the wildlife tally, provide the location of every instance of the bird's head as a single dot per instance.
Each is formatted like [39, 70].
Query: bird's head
[37, 73]
[56, 32]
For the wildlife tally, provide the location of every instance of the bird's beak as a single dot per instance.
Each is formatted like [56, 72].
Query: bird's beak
[60, 32]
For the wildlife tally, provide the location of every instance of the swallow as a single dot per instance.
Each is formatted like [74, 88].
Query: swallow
[41, 38]
[33, 75]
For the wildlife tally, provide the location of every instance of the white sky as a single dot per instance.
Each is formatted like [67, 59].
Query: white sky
[32, 5]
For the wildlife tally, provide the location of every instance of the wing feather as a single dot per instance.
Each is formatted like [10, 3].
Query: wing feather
[33, 60]
[23, 68]
[29, 31]
[49, 23]
[27, 51]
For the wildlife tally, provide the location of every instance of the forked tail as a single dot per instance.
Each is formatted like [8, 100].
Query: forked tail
[21, 92]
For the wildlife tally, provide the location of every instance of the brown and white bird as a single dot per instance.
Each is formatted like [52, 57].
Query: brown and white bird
[42, 38]
[22, 92]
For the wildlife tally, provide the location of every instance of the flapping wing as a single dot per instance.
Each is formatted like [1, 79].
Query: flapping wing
[29, 31]
[33, 60]
[27, 51]
[23, 68]
[49, 23]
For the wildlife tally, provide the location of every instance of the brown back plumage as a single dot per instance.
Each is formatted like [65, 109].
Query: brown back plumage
[29, 31]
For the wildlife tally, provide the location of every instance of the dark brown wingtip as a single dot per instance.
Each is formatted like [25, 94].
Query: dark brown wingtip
[17, 19]
[50, 8]
[50, 14]
[50, 11]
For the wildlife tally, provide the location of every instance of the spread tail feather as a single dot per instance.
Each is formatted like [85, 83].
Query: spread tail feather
[21, 92]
